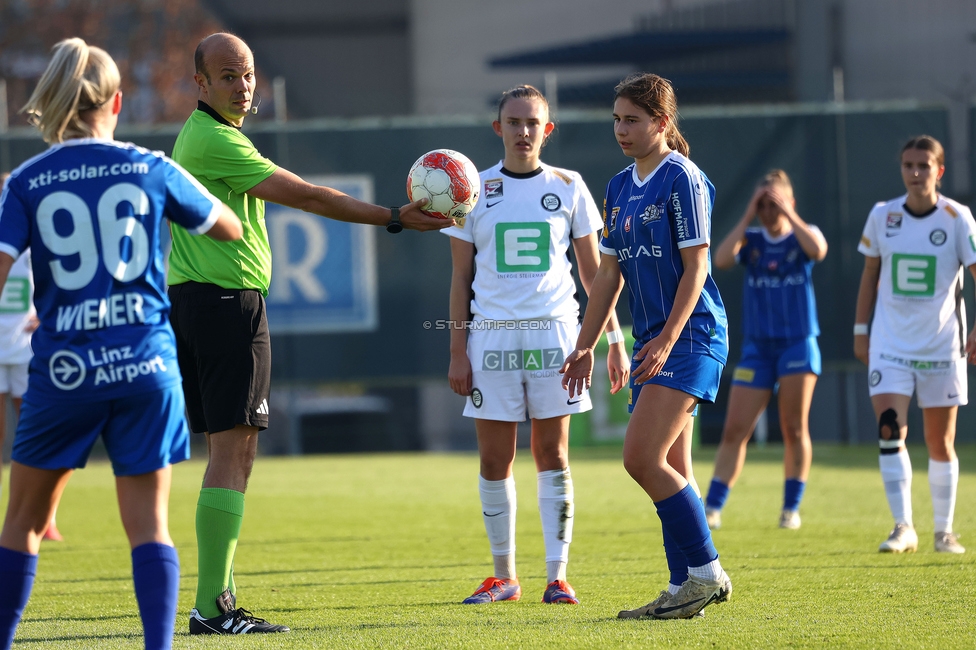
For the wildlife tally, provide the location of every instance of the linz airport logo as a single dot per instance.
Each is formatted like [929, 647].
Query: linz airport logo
[551, 202]
[652, 213]
[67, 370]
[938, 237]
[494, 188]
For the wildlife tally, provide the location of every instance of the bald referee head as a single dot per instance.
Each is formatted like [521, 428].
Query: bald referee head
[225, 75]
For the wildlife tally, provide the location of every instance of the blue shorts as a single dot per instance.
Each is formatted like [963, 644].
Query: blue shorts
[696, 374]
[142, 433]
[764, 362]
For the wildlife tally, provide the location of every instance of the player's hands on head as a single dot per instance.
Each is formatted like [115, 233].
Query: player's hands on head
[459, 374]
[577, 371]
[862, 342]
[618, 367]
[752, 212]
[652, 358]
[779, 199]
[413, 218]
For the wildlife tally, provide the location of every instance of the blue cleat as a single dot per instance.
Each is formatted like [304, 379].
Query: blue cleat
[495, 589]
[559, 591]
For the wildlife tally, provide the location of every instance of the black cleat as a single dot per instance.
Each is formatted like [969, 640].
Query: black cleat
[232, 621]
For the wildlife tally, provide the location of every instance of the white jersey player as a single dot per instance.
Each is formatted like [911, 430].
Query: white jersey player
[514, 318]
[17, 320]
[915, 249]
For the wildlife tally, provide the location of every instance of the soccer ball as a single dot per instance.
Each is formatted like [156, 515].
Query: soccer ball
[449, 182]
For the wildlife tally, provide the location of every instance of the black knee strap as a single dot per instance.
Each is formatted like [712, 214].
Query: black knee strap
[889, 420]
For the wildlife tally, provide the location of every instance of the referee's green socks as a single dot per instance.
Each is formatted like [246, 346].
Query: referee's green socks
[219, 516]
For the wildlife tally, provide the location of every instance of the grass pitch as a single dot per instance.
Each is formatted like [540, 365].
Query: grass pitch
[379, 550]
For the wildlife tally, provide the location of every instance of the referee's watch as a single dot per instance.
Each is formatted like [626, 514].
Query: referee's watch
[394, 226]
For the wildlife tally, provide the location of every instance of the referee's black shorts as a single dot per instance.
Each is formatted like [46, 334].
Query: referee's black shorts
[224, 349]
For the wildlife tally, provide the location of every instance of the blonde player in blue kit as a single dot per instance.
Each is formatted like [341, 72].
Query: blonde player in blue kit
[513, 275]
[656, 239]
[780, 350]
[915, 249]
[104, 364]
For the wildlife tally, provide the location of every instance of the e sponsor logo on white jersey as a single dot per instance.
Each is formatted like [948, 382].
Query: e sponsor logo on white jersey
[522, 247]
[913, 275]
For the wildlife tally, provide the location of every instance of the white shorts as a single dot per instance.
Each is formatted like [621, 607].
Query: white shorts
[516, 373]
[13, 378]
[935, 383]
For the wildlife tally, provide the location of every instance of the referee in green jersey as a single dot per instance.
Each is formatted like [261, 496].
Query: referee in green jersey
[218, 290]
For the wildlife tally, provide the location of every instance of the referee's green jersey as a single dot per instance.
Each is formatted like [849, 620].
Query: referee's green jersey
[225, 161]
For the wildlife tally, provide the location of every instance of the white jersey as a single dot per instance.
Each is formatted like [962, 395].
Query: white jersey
[16, 311]
[521, 230]
[919, 314]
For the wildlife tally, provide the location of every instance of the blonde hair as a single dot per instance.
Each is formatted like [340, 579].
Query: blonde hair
[777, 177]
[79, 78]
[655, 95]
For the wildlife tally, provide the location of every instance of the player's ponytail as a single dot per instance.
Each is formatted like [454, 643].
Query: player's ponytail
[656, 96]
[79, 78]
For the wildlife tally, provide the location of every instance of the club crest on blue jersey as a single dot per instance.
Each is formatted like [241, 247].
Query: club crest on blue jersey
[494, 188]
[652, 213]
[627, 223]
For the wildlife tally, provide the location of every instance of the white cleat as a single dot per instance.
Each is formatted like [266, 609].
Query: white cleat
[902, 539]
[694, 596]
[789, 519]
[713, 517]
[948, 543]
[645, 611]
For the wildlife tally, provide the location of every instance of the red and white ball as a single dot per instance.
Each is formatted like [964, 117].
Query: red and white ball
[448, 180]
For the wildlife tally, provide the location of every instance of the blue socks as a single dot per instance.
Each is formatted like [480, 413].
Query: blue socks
[793, 493]
[677, 562]
[718, 492]
[683, 518]
[17, 571]
[156, 574]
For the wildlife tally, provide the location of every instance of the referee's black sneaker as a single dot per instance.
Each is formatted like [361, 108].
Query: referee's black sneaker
[233, 620]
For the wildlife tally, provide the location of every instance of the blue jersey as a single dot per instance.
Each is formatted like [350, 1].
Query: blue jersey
[90, 210]
[778, 297]
[645, 224]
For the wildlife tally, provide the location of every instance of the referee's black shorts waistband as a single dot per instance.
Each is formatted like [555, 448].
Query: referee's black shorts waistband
[191, 287]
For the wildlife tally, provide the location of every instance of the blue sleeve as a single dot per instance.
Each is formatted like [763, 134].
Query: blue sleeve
[742, 257]
[188, 203]
[690, 208]
[15, 223]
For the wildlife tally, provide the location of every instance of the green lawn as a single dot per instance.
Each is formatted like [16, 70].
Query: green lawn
[377, 551]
